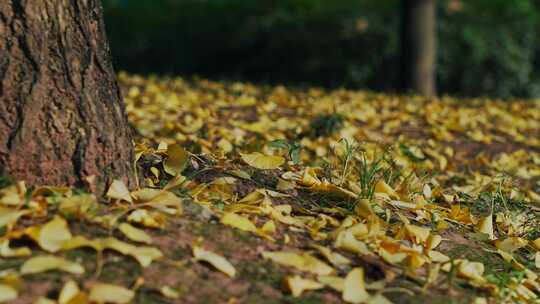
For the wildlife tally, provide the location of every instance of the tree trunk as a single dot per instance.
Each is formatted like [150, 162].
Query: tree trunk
[62, 118]
[418, 46]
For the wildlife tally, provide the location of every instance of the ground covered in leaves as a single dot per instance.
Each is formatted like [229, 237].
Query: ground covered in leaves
[254, 194]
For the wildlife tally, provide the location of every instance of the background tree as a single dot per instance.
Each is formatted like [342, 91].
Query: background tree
[418, 46]
[62, 118]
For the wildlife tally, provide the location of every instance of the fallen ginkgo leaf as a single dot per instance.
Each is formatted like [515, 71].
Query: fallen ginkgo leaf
[382, 187]
[332, 257]
[485, 225]
[354, 289]
[169, 292]
[52, 235]
[511, 244]
[7, 252]
[239, 222]
[9, 216]
[219, 262]
[177, 160]
[71, 294]
[108, 293]
[297, 285]
[417, 234]
[118, 190]
[7, 293]
[303, 262]
[263, 162]
[134, 234]
[49, 262]
[471, 270]
[333, 282]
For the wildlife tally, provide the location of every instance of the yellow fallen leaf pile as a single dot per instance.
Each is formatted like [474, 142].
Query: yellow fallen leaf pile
[443, 194]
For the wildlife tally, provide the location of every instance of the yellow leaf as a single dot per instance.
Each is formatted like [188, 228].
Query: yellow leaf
[333, 282]
[416, 260]
[7, 293]
[303, 262]
[392, 257]
[417, 234]
[144, 255]
[346, 240]
[13, 195]
[146, 219]
[433, 241]
[225, 145]
[219, 262]
[536, 244]
[108, 293]
[253, 198]
[537, 260]
[261, 161]
[363, 208]
[118, 190]
[169, 292]
[379, 299]
[296, 285]
[268, 227]
[134, 234]
[437, 257]
[485, 225]
[383, 187]
[43, 300]
[7, 252]
[9, 216]
[71, 294]
[510, 244]
[284, 185]
[49, 262]
[52, 235]
[354, 289]
[239, 222]
[332, 257]
[471, 270]
[240, 173]
[177, 160]
[78, 205]
[81, 241]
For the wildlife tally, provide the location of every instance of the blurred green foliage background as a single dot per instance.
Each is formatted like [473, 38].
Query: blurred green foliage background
[485, 47]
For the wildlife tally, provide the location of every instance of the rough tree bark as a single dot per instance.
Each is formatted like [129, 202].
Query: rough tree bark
[62, 118]
[418, 46]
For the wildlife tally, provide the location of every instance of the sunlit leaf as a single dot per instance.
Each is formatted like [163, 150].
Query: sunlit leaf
[7, 293]
[49, 262]
[485, 225]
[297, 285]
[471, 270]
[135, 234]
[71, 294]
[261, 161]
[10, 216]
[354, 289]
[239, 222]
[169, 292]
[52, 235]
[303, 262]
[177, 160]
[118, 190]
[219, 262]
[108, 293]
